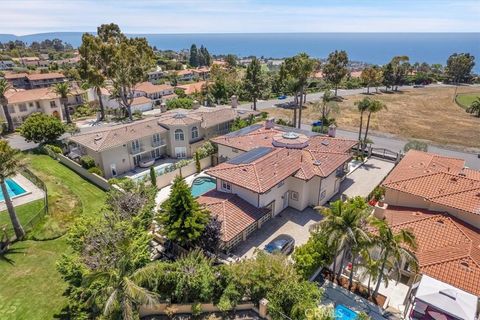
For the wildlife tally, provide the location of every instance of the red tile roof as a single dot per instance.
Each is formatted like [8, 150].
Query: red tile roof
[448, 249]
[150, 88]
[192, 87]
[45, 76]
[438, 179]
[235, 213]
[321, 157]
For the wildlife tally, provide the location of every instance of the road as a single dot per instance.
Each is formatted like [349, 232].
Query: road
[380, 141]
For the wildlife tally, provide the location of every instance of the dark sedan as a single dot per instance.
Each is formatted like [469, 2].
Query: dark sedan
[283, 244]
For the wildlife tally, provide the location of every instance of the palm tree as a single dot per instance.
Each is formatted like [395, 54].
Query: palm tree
[97, 82]
[395, 248]
[63, 90]
[4, 87]
[362, 105]
[9, 165]
[373, 107]
[473, 109]
[344, 223]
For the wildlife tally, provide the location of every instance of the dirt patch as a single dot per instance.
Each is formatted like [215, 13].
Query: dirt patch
[428, 114]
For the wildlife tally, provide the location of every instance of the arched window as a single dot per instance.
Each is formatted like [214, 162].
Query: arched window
[179, 135]
[194, 133]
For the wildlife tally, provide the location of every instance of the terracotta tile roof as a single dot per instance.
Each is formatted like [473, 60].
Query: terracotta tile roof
[106, 138]
[184, 72]
[141, 100]
[437, 179]
[178, 117]
[21, 96]
[235, 213]
[44, 76]
[448, 249]
[213, 116]
[192, 87]
[150, 88]
[322, 164]
[262, 174]
[11, 76]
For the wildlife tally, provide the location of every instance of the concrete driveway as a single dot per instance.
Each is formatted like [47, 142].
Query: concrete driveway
[290, 221]
[364, 179]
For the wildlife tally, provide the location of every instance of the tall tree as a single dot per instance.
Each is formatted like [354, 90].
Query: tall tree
[371, 76]
[255, 82]
[335, 69]
[459, 67]
[4, 87]
[395, 248]
[62, 89]
[362, 106]
[183, 218]
[96, 80]
[373, 107]
[41, 128]
[194, 56]
[231, 61]
[400, 67]
[300, 68]
[9, 164]
[388, 76]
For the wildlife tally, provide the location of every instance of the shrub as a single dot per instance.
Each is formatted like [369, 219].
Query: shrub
[180, 103]
[153, 177]
[206, 149]
[415, 145]
[196, 309]
[87, 162]
[83, 111]
[181, 163]
[378, 193]
[96, 170]
[54, 148]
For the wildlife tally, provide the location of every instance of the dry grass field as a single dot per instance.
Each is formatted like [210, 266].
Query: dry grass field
[423, 113]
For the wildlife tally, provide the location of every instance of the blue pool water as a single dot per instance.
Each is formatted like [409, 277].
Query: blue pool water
[343, 313]
[202, 185]
[14, 190]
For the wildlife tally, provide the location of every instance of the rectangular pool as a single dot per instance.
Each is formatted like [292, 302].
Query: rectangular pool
[13, 189]
[344, 313]
[160, 169]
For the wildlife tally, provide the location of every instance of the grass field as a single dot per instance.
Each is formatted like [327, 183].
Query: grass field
[31, 287]
[427, 113]
[466, 99]
[24, 212]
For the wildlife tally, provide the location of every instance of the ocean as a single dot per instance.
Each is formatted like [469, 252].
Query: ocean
[376, 48]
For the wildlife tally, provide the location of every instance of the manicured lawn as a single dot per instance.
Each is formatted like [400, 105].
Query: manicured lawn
[465, 100]
[24, 212]
[31, 287]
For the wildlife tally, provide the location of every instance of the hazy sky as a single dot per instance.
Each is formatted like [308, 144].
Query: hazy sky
[222, 16]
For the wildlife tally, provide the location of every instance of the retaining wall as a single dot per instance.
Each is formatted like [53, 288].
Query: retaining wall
[100, 182]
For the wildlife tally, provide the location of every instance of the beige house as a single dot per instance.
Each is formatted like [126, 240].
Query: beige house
[176, 133]
[23, 103]
[34, 80]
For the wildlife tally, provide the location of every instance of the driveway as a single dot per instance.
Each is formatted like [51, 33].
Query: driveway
[290, 221]
[364, 179]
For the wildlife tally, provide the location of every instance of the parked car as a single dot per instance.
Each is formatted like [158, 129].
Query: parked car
[317, 123]
[282, 97]
[419, 86]
[283, 244]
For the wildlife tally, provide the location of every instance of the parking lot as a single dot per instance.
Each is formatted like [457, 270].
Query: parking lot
[290, 221]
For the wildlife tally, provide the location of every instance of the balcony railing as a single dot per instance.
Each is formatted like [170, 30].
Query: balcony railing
[137, 150]
[159, 143]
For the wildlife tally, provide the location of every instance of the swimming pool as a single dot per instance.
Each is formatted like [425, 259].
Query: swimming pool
[202, 185]
[13, 189]
[160, 169]
[343, 313]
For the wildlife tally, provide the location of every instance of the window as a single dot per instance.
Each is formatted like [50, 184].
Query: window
[194, 133]
[31, 105]
[135, 145]
[294, 195]
[179, 135]
[156, 153]
[156, 139]
[53, 104]
[181, 152]
[11, 109]
[226, 186]
[38, 105]
[136, 160]
[22, 107]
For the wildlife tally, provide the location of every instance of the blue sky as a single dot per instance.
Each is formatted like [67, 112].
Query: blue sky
[223, 16]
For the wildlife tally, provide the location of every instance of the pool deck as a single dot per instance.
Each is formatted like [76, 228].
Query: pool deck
[33, 192]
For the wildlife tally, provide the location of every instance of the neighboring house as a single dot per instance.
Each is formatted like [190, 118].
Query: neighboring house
[202, 73]
[157, 93]
[34, 81]
[6, 65]
[437, 199]
[185, 75]
[175, 133]
[192, 88]
[156, 75]
[22, 103]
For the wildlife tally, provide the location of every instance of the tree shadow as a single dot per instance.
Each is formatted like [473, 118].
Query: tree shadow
[4, 256]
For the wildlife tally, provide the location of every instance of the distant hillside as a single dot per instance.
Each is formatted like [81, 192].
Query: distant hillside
[74, 38]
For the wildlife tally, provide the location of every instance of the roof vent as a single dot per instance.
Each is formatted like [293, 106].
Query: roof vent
[325, 142]
[465, 265]
[97, 137]
[478, 195]
[440, 222]
[317, 162]
[454, 179]
[179, 115]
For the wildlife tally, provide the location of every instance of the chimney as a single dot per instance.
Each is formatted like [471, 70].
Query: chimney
[163, 107]
[269, 123]
[234, 101]
[379, 210]
[196, 104]
[332, 131]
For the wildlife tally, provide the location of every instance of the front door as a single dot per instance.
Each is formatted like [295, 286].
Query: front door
[180, 152]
